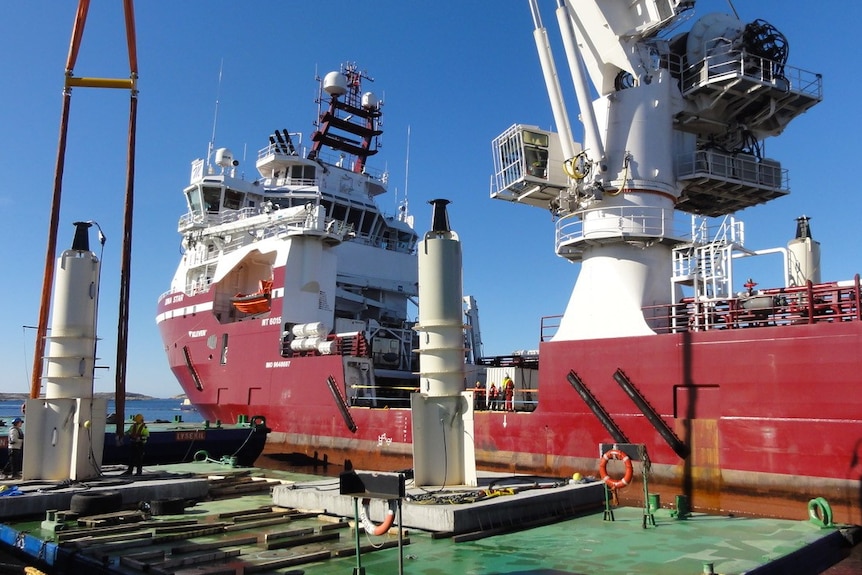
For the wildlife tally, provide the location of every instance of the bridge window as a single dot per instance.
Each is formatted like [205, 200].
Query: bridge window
[233, 199]
[212, 199]
[193, 198]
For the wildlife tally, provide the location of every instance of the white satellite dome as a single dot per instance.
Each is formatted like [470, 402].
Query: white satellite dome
[335, 84]
[224, 158]
[370, 101]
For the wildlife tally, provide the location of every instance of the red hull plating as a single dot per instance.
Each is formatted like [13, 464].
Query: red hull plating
[767, 410]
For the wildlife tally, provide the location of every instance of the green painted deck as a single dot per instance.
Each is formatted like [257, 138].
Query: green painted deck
[239, 530]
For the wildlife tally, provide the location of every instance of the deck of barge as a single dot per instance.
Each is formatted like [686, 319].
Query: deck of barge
[240, 524]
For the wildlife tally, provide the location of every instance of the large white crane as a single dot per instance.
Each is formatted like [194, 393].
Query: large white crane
[677, 124]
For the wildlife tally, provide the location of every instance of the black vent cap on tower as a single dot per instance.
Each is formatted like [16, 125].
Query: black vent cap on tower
[439, 217]
[81, 242]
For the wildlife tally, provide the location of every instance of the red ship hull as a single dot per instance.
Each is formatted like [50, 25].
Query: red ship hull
[769, 414]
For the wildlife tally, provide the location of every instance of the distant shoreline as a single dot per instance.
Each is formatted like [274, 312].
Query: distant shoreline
[106, 395]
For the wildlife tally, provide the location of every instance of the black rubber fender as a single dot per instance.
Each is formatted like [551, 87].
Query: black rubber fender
[96, 502]
[172, 506]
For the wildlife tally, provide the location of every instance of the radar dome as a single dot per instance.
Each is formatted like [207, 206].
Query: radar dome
[370, 101]
[224, 158]
[335, 84]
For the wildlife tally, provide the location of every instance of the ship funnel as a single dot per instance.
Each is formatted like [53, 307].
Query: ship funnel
[81, 241]
[439, 216]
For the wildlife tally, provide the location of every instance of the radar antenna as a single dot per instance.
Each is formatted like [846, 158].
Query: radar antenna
[215, 116]
[403, 208]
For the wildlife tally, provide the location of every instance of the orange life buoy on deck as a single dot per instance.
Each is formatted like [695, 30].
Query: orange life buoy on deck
[603, 466]
[369, 525]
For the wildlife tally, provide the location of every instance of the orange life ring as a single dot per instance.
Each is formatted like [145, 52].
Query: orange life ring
[603, 465]
[369, 525]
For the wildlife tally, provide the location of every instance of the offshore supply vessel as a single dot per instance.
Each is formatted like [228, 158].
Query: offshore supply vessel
[723, 395]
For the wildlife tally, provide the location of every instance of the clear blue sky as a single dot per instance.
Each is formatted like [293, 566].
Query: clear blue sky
[456, 72]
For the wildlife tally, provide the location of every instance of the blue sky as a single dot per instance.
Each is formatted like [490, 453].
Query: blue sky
[457, 73]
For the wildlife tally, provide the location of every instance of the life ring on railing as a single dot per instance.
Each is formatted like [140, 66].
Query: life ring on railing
[369, 525]
[603, 469]
[201, 455]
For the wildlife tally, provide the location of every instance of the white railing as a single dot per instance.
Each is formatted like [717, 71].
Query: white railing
[618, 222]
[726, 61]
[327, 157]
[745, 168]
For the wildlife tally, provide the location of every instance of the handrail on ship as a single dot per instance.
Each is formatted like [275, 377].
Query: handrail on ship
[732, 62]
[776, 307]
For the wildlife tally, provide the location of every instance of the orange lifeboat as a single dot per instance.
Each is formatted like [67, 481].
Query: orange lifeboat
[254, 303]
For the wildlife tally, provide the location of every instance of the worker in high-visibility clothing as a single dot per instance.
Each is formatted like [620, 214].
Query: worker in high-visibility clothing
[137, 434]
[508, 391]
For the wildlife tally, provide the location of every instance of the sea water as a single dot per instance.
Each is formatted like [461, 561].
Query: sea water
[151, 409]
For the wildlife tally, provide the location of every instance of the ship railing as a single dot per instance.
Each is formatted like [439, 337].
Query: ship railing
[339, 160]
[795, 305]
[788, 306]
[549, 326]
[192, 220]
[274, 183]
[523, 399]
[346, 161]
[613, 223]
[725, 61]
[381, 396]
[742, 168]
[260, 230]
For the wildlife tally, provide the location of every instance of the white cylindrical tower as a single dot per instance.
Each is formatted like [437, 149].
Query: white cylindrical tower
[72, 340]
[442, 411]
[803, 254]
[441, 326]
[66, 429]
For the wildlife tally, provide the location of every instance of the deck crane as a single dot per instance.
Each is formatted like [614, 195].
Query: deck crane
[677, 125]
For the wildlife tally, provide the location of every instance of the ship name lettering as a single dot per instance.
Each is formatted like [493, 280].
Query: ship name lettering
[177, 298]
[197, 333]
[198, 435]
[271, 364]
[270, 321]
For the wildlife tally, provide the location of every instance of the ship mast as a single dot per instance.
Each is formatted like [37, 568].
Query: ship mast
[352, 122]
